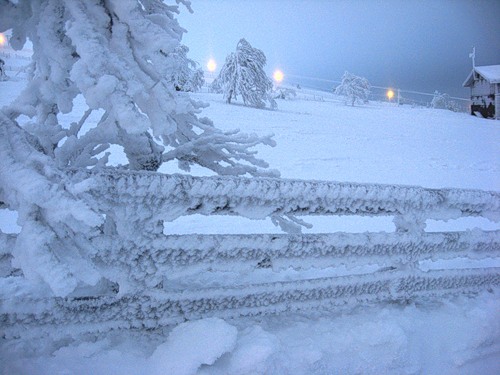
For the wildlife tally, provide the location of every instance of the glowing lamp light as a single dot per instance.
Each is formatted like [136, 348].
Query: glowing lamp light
[390, 94]
[3, 40]
[211, 65]
[278, 76]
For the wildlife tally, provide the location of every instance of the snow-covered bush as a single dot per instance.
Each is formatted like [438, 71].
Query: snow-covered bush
[243, 74]
[355, 89]
[119, 55]
[284, 93]
[440, 101]
[443, 101]
[453, 106]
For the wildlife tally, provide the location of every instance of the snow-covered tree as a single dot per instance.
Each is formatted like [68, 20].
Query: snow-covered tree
[284, 93]
[187, 75]
[243, 74]
[215, 87]
[118, 55]
[440, 100]
[355, 89]
[3, 76]
[443, 101]
[126, 59]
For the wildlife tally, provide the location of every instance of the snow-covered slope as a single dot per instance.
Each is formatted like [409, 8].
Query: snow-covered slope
[378, 142]
[320, 138]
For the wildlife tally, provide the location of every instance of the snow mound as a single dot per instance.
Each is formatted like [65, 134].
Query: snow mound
[191, 345]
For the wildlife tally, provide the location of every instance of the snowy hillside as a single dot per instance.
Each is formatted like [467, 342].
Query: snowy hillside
[320, 138]
[378, 142]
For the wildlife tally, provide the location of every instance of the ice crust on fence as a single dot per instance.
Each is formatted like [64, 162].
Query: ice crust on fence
[154, 309]
[149, 263]
[166, 197]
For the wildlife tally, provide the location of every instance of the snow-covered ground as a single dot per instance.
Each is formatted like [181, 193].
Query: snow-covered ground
[320, 138]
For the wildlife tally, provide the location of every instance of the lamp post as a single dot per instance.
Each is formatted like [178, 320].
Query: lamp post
[390, 94]
[278, 76]
[211, 65]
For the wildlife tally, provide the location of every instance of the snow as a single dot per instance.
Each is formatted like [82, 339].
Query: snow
[380, 143]
[457, 337]
[489, 72]
[191, 345]
[318, 140]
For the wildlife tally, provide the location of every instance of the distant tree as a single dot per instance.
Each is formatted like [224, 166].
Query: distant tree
[243, 74]
[187, 75]
[355, 89]
[215, 86]
[284, 93]
[443, 101]
[440, 100]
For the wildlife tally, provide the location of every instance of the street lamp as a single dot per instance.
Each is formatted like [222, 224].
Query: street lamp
[211, 65]
[278, 76]
[390, 94]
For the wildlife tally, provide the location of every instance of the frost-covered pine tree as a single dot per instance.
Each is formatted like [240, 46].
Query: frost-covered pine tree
[243, 74]
[119, 56]
[355, 89]
[187, 75]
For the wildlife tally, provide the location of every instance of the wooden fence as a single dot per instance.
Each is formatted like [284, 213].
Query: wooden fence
[152, 280]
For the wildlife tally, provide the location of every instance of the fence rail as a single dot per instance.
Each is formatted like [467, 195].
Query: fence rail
[153, 280]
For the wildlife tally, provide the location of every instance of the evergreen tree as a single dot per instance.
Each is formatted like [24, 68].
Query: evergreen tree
[355, 89]
[120, 56]
[243, 74]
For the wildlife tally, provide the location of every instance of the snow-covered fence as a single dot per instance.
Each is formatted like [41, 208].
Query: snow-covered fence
[379, 93]
[156, 280]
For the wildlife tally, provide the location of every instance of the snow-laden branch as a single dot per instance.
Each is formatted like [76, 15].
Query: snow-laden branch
[53, 245]
[126, 58]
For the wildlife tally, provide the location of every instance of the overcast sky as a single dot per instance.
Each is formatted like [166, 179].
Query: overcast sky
[413, 45]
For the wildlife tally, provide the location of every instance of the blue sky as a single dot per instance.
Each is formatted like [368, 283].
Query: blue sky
[413, 45]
